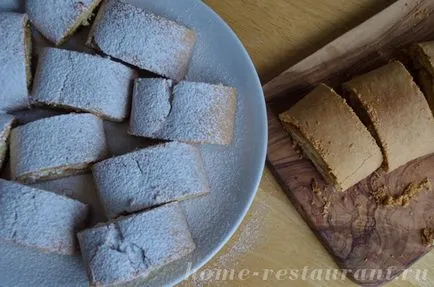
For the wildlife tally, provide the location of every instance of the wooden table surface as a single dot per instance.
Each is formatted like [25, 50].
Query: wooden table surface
[273, 237]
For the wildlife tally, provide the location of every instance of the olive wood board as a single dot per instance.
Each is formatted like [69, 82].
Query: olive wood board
[373, 243]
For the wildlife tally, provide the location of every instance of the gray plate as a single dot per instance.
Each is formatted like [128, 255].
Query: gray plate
[234, 171]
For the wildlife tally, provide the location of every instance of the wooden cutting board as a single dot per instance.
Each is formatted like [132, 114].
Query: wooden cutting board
[373, 243]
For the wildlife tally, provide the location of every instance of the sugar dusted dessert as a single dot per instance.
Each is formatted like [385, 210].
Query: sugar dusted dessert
[15, 61]
[58, 20]
[130, 248]
[150, 177]
[187, 112]
[140, 38]
[56, 147]
[40, 219]
[82, 82]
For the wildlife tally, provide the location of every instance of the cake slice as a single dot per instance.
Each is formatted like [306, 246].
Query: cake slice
[58, 20]
[390, 103]
[140, 38]
[6, 122]
[56, 147]
[423, 58]
[15, 61]
[150, 177]
[333, 138]
[190, 112]
[153, 96]
[131, 248]
[82, 82]
[40, 219]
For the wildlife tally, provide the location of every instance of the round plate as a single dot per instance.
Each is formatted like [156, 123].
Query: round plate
[234, 171]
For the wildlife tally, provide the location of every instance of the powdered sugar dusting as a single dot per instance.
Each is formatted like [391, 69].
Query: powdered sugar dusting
[151, 106]
[83, 82]
[201, 113]
[13, 79]
[150, 177]
[54, 143]
[195, 113]
[131, 247]
[40, 219]
[53, 18]
[244, 241]
[143, 39]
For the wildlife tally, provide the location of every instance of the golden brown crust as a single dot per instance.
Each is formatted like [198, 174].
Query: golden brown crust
[333, 137]
[401, 119]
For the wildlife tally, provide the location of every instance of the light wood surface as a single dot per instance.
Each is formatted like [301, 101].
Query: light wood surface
[277, 34]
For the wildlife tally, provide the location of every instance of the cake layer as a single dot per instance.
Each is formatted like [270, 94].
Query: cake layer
[82, 82]
[132, 247]
[56, 147]
[333, 138]
[150, 177]
[142, 39]
[6, 122]
[40, 219]
[391, 104]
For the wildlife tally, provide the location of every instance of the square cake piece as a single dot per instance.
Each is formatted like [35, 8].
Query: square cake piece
[56, 147]
[82, 82]
[15, 58]
[333, 138]
[6, 122]
[130, 248]
[189, 112]
[391, 104]
[40, 219]
[57, 20]
[150, 177]
[142, 39]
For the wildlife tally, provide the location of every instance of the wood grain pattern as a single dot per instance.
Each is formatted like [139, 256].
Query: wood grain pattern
[359, 233]
[364, 48]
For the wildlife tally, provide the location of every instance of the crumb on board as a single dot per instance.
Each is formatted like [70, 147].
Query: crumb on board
[315, 187]
[422, 13]
[326, 207]
[297, 149]
[411, 191]
[428, 237]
